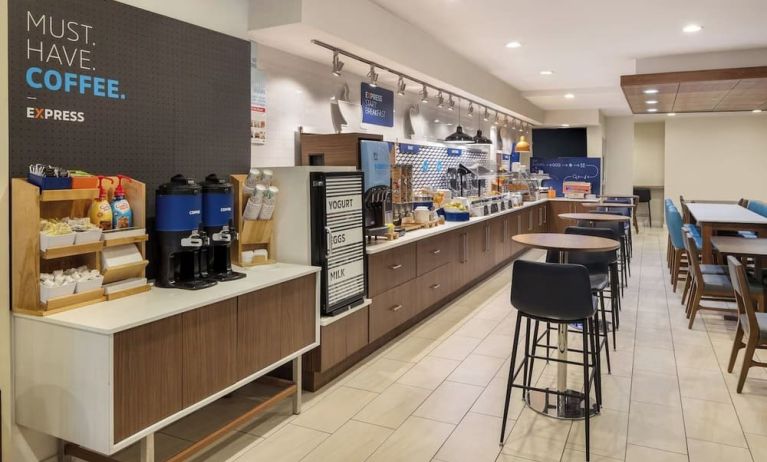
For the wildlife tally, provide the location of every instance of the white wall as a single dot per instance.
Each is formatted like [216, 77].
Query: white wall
[618, 158]
[299, 92]
[649, 164]
[716, 157]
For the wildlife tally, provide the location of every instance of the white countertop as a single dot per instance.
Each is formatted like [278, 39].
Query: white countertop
[114, 316]
[382, 245]
[724, 213]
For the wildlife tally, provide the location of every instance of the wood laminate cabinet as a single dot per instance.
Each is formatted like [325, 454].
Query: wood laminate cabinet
[209, 350]
[148, 375]
[389, 269]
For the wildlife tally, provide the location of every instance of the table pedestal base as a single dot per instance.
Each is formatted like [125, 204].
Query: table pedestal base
[566, 407]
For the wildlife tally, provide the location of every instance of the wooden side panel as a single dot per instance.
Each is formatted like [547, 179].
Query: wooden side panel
[147, 375]
[298, 314]
[336, 149]
[357, 331]
[25, 264]
[258, 326]
[333, 344]
[210, 350]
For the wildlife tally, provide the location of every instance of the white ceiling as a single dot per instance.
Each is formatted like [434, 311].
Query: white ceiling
[588, 44]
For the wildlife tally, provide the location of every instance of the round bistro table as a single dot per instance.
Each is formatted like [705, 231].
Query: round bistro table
[569, 403]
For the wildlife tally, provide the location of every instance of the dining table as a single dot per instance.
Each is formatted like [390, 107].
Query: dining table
[743, 247]
[595, 217]
[563, 244]
[715, 217]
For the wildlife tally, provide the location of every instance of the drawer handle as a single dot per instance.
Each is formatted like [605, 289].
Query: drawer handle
[396, 308]
[436, 252]
[436, 286]
[396, 267]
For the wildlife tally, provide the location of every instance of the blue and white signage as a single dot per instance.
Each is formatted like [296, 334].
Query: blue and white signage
[377, 105]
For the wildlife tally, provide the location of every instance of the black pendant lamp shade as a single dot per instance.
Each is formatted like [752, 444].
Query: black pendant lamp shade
[481, 139]
[459, 137]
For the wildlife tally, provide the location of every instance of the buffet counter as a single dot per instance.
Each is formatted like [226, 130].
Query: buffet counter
[107, 375]
[414, 275]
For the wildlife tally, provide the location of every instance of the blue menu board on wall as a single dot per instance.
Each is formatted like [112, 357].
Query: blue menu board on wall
[561, 169]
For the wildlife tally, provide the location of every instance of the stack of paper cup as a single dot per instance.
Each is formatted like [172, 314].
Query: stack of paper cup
[270, 200]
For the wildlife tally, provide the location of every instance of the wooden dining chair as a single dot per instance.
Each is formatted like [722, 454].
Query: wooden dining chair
[751, 332]
[713, 287]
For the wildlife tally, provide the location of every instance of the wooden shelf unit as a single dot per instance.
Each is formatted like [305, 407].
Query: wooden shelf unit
[253, 234]
[29, 205]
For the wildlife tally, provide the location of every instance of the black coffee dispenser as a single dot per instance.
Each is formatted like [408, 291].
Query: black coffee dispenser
[180, 237]
[218, 223]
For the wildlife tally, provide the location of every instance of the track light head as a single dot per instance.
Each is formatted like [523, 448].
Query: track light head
[373, 76]
[401, 86]
[470, 112]
[450, 103]
[338, 65]
[440, 100]
[486, 115]
[424, 94]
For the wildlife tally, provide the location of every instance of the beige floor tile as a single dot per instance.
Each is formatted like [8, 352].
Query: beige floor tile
[496, 309]
[415, 441]
[657, 427]
[393, 406]
[449, 402]
[477, 328]
[228, 448]
[696, 357]
[456, 347]
[636, 453]
[271, 420]
[332, 412]
[492, 399]
[436, 328]
[654, 388]
[758, 446]
[616, 392]
[703, 384]
[506, 326]
[654, 338]
[475, 439]
[379, 375]
[711, 421]
[353, 442]
[705, 451]
[498, 346]
[289, 444]
[654, 360]
[429, 373]
[574, 455]
[476, 369]
[410, 349]
[537, 437]
[608, 432]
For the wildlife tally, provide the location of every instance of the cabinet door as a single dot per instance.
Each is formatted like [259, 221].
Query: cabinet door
[391, 268]
[462, 263]
[501, 239]
[210, 350]
[258, 327]
[434, 252]
[298, 314]
[557, 224]
[147, 375]
[392, 308]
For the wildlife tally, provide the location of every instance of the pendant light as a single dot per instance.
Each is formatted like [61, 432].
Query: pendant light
[479, 138]
[522, 144]
[458, 136]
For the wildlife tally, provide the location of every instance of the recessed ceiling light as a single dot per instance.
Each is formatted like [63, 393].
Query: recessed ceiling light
[651, 101]
[513, 44]
[569, 96]
[547, 72]
[671, 114]
[564, 125]
[691, 28]
[756, 111]
[650, 91]
[652, 109]
[436, 121]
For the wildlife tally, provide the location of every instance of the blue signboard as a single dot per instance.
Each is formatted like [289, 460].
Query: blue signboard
[409, 148]
[454, 152]
[560, 169]
[377, 105]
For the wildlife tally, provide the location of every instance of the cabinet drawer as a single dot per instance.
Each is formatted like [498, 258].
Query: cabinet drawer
[392, 308]
[434, 252]
[434, 286]
[391, 268]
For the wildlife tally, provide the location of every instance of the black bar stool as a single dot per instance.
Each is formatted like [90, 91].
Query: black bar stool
[557, 294]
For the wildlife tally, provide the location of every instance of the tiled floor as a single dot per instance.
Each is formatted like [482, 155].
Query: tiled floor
[436, 392]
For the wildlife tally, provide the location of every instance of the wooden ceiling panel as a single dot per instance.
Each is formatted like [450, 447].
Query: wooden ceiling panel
[740, 89]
